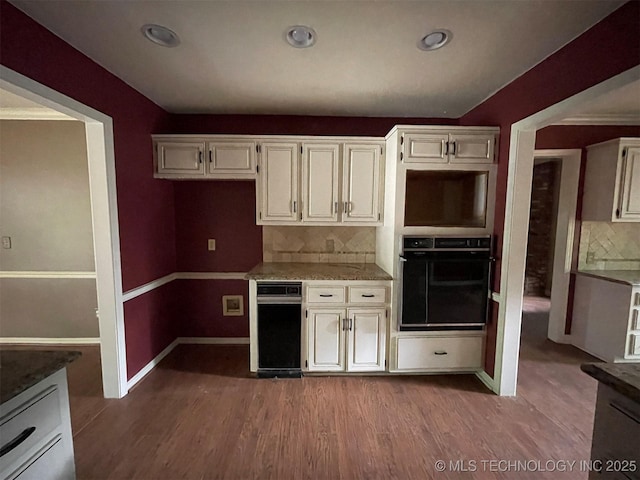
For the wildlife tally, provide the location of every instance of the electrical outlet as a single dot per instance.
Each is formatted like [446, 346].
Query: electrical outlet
[6, 242]
[591, 257]
[211, 244]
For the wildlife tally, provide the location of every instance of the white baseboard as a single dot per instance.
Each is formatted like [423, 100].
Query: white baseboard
[214, 340]
[487, 380]
[151, 365]
[49, 341]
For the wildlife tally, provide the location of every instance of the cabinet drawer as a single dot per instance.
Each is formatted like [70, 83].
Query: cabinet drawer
[634, 344]
[30, 422]
[329, 294]
[368, 295]
[49, 462]
[439, 353]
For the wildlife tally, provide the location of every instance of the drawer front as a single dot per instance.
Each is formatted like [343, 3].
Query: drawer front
[368, 295]
[24, 427]
[616, 427]
[634, 344]
[329, 294]
[439, 353]
[52, 461]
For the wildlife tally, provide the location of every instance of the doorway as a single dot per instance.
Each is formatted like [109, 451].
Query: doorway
[104, 214]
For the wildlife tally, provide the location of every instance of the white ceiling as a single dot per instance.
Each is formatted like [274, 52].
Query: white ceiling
[234, 59]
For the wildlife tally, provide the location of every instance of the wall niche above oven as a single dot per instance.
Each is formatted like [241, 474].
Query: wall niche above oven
[445, 198]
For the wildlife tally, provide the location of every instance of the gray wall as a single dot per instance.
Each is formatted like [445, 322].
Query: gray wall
[45, 208]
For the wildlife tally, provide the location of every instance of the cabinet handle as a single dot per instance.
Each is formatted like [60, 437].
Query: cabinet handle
[210, 156]
[199, 156]
[295, 206]
[335, 207]
[440, 352]
[350, 324]
[7, 447]
[445, 147]
[326, 295]
[367, 295]
[345, 207]
[453, 152]
[625, 412]
[344, 324]
[350, 206]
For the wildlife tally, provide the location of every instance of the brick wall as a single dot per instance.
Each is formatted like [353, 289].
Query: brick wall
[541, 229]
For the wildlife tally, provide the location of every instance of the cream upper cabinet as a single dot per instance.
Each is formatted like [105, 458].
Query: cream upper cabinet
[320, 169]
[180, 158]
[340, 184]
[447, 147]
[233, 158]
[473, 148]
[419, 148]
[612, 182]
[278, 185]
[190, 157]
[361, 183]
[630, 194]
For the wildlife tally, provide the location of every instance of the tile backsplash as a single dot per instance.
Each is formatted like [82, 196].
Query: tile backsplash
[319, 244]
[609, 246]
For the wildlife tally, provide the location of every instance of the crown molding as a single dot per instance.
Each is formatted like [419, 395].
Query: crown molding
[32, 114]
[602, 119]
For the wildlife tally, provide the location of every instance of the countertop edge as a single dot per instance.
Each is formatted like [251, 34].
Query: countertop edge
[616, 382]
[26, 376]
[277, 271]
[602, 275]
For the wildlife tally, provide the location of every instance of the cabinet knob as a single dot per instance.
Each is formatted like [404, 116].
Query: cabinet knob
[440, 352]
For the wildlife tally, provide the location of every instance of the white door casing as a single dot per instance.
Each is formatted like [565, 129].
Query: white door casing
[104, 212]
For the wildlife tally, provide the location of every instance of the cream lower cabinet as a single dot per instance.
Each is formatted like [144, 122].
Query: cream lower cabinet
[351, 340]
[345, 331]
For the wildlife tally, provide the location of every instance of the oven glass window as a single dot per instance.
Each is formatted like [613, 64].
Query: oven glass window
[445, 198]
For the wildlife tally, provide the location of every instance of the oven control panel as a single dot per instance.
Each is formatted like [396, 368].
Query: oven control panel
[410, 243]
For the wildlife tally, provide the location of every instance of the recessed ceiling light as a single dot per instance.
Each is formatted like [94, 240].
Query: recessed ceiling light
[300, 36]
[434, 40]
[161, 35]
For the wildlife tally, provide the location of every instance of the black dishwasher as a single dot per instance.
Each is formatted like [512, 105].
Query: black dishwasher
[279, 329]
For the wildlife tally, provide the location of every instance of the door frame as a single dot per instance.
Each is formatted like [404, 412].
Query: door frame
[565, 224]
[104, 213]
[516, 224]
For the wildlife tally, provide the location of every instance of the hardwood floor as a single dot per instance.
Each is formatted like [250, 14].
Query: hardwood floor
[199, 415]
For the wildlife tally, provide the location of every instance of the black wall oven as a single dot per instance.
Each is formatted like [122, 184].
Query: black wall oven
[445, 282]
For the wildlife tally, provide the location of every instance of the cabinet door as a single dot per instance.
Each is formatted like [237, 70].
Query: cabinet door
[361, 187]
[320, 182]
[231, 159]
[278, 199]
[367, 333]
[180, 158]
[425, 148]
[630, 188]
[326, 339]
[471, 148]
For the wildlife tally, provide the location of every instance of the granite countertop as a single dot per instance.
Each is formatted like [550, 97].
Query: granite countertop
[627, 277]
[317, 271]
[21, 369]
[624, 378]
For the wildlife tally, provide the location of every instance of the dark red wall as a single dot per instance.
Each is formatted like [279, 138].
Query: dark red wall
[607, 49]
[200, 311]
[224, 211]
[150, 325]
[145, 205]
[294, 125]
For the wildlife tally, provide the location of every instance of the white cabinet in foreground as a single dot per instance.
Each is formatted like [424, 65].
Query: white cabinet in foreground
[439, 353]
[35, 432]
